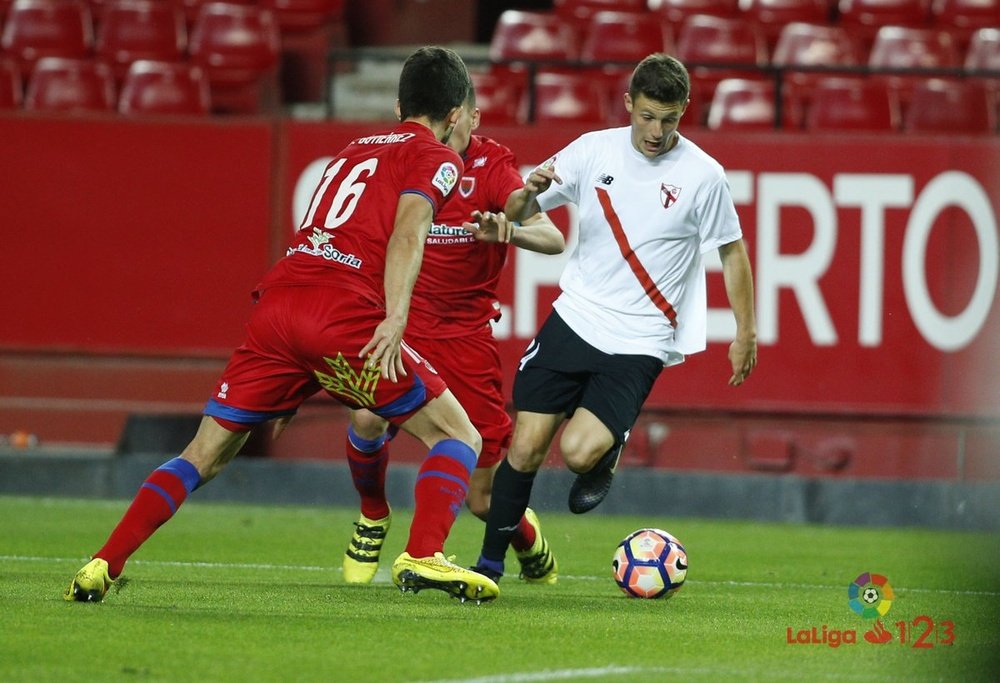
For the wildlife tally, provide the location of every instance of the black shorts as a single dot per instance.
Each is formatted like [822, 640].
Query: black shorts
[560, 372]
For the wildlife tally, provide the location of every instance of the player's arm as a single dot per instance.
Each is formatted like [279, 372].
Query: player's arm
[739, 289]
[522, 204]
[403, 257]
[537, 233]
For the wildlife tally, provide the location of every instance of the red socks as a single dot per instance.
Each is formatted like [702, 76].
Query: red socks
[157, 501]
[442, 483]
[368, 460]
[524, 537]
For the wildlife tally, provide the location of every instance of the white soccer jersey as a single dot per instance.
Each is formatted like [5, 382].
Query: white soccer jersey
[636, 282]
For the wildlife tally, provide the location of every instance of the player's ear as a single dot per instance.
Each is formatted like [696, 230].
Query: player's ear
[628, 103]
[399, 113]
[476, 118]
[454, 116]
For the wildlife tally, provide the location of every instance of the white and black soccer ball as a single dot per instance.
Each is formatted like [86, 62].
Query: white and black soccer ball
[650, 563]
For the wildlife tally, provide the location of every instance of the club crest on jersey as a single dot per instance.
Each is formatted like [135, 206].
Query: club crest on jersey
[466, 185]
[668, 195]
[446, 177]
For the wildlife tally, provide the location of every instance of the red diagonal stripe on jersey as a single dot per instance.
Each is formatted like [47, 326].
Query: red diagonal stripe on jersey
[640, 272]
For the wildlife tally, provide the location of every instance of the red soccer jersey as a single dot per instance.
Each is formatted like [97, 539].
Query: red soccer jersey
[456, 289]
[343, 238]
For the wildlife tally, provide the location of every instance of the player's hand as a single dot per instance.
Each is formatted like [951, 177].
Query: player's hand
[383, 350]
[541, 178]
[487, 226]
[743, 356]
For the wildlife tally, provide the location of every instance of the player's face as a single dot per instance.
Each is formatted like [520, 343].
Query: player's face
[653, 124]
[468, 121]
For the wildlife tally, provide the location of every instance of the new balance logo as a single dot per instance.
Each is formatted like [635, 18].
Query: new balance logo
[605, 179]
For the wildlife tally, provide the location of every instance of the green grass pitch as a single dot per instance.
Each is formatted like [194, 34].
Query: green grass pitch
[228, 592]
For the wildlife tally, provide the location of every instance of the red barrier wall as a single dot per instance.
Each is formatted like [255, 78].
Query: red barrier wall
[875, 260]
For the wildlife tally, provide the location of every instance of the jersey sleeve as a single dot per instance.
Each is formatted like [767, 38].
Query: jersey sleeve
[718, 223]
[503, 179]
[567, 163]
[432, 171]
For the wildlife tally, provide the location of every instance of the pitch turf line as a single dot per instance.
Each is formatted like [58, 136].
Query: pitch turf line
[567, 577]
[624, 671]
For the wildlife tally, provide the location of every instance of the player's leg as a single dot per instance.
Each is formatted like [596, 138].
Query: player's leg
[512, 484]
[593, 440]
[470, 365]
[158, 499]
[442, 484]
[367, 457]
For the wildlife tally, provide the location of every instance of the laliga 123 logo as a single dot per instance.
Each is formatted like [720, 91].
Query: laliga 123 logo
[870, 596]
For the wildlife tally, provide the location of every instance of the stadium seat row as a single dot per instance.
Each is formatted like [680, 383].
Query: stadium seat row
[862, 17]
[939, 105]
[62, 84]
[238, 45]
[584, 80]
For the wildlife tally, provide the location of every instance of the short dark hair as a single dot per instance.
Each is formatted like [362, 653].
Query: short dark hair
[434, 81]
[662, 78]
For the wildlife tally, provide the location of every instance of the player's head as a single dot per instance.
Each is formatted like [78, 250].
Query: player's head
[468, 121]
[656, 99]
[433, 84]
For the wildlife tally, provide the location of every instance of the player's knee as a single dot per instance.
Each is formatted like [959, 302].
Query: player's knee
[368, 425]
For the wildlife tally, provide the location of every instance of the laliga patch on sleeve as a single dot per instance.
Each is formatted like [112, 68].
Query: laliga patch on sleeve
[446, 177]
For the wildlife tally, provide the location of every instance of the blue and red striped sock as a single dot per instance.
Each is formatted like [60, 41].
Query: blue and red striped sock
[442, 483]
[158, 499]
[368, 459]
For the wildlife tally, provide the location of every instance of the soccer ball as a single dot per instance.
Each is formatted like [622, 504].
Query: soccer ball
[870, 596]
[650, 563]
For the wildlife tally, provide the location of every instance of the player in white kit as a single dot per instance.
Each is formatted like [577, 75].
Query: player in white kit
[633, 299]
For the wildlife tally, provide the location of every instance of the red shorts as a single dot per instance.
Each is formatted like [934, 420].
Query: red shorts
[470, 365]
[303, 339]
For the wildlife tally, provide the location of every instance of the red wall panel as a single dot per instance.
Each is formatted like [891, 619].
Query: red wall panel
[132, 236]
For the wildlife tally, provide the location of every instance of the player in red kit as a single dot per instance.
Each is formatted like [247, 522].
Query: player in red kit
[453, 302]
[330, 315]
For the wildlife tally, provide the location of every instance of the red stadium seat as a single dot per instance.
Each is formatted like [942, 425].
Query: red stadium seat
[304, 15]
[532, 36]
[951, 107]
[984, 50]
[772, 15]
[719, 40]
[192, 8]
[620, 40]
[155, 87]
[140, 29]
[814, 46]
[47, 28]
[238, 46]
[578, 13]
[677, 11]
[962, 18]
[898, 47]
[497, 99]
[70, 85]
[865, 17]
[564, 98]
[624, 37]
[748, 105]
[852, 104]
[11, 87]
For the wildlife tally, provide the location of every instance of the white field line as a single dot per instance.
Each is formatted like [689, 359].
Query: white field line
[648, 673]
[384, 574]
